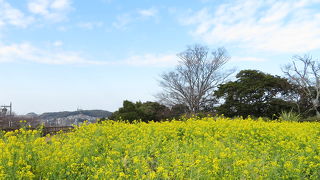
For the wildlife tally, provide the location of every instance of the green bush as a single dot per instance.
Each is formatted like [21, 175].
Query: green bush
[289, 116]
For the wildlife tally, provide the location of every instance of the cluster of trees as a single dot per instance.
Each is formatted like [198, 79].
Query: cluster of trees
[147, 111]
[199, 84]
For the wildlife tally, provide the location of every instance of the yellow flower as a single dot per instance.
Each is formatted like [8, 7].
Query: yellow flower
[288, 164]
[152, 175]
[10, 163]
[122, 174]
[160, 169]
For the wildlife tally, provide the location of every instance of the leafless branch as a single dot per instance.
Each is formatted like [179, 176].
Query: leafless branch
[305, 73]
[195, 78]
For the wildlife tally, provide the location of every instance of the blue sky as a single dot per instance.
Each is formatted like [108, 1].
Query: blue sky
[58, 55]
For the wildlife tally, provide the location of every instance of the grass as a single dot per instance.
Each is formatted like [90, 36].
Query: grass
[289, 116]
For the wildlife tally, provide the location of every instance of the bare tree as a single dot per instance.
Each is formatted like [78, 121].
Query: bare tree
[305, 73]
[195, 78]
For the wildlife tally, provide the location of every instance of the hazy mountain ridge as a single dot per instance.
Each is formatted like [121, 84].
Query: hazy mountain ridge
[91, 113]
[68, 118]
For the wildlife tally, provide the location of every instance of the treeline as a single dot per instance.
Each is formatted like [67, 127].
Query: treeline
[147, 111]
[201, 85]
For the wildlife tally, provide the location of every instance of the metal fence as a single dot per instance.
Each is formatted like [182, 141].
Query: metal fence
[45, 130]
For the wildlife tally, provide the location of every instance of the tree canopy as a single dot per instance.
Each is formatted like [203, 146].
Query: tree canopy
[141, 111]
[254, 93]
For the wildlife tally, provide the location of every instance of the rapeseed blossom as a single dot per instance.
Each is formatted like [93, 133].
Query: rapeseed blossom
[207, 148]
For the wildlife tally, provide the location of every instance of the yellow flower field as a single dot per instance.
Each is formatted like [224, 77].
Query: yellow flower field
[208, 148]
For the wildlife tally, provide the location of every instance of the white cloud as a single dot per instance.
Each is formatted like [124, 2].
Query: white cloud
[90, 25]
[267, 25]
[148, 12]
[162, 60]
[60, 4]
[57, 43]
[247, 59]
[62, 28]
[123, 20]
[12, 16]
[54, 10]
[26, 52]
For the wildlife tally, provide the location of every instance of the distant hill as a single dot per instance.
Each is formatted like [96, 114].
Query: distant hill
[68, 118]
[32, 115]
[63, 114]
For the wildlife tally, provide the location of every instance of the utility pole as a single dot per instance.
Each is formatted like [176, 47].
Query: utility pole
[10, 108]
[4, 109]
[4, 114]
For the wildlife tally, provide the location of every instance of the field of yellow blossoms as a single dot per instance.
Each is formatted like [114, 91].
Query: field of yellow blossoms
[207, 148]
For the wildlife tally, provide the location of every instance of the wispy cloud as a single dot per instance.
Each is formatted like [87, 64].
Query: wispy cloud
[163, 60]
[247, 59]
[151, 12]
[12, 16]
[90, 25]
[267, 25]
[124, 20]
[54, 10]
[26, 52]
[57, 43]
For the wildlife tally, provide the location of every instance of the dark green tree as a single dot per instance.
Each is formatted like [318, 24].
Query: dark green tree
[255, 93]
[141, 111]
[154, 111]
[129, 112]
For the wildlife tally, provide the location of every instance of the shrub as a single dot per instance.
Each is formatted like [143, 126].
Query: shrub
[289, 116]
